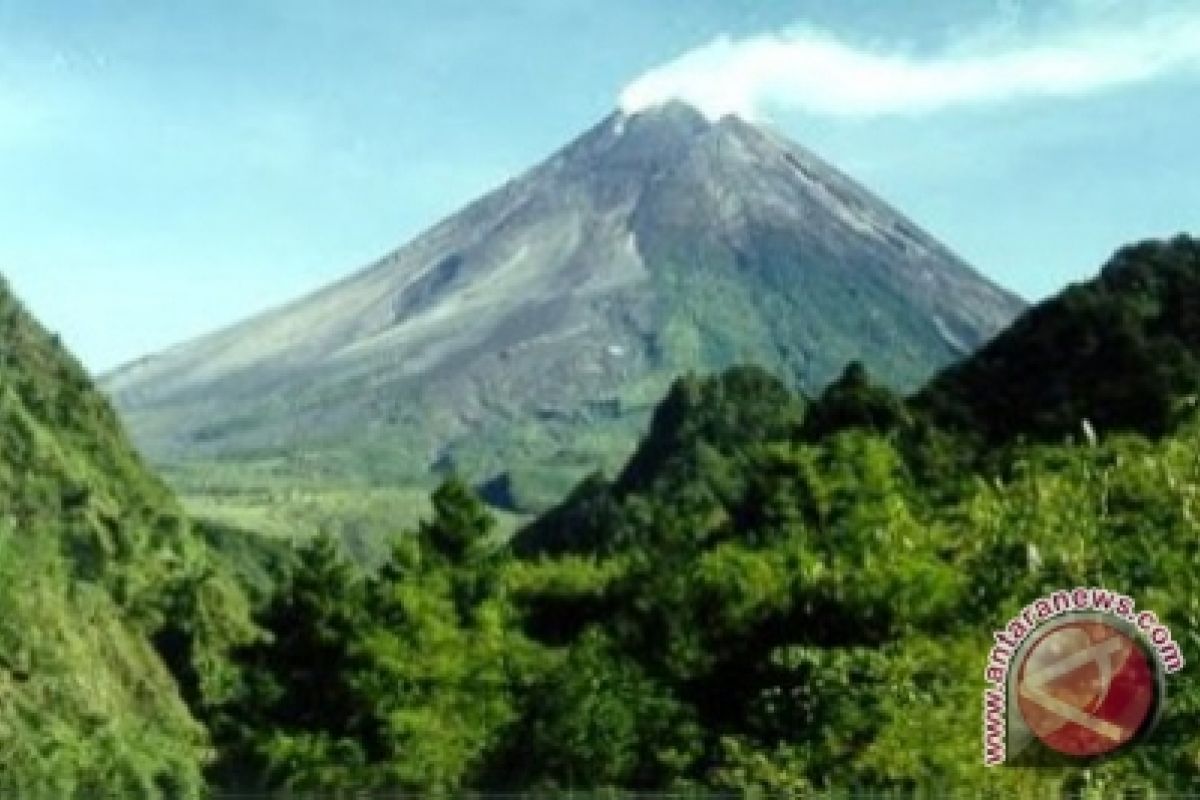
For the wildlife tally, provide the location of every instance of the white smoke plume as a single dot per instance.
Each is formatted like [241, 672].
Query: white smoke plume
[812, 71]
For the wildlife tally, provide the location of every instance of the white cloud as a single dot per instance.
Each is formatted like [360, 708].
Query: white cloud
[813, 71]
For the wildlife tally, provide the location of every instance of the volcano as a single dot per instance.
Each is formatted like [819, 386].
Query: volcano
[536, 328]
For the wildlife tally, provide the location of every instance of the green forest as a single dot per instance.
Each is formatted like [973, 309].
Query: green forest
[776, 594]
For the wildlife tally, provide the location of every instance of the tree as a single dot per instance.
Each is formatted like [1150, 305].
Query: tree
[298, 712]
[459, 530]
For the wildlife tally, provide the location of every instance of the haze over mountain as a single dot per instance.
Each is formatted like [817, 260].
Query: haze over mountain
[538, 326]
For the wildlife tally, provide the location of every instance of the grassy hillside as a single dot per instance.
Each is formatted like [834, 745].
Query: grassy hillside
[96, 565]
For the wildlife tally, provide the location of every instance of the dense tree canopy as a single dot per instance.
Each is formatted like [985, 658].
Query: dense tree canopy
[774, 595]
[779, 595]
[1122, 351]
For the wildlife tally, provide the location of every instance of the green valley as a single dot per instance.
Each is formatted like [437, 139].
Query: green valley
[775, 594]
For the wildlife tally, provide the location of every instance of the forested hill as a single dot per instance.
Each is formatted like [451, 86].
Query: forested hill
[1117, 353]
[773, 597]
[96, 564]
[1121, 351]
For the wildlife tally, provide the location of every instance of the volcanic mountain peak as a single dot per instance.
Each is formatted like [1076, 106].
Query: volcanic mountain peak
[543, 321]
[595, 176]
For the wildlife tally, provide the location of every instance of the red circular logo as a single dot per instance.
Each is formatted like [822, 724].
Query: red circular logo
[1085, 688]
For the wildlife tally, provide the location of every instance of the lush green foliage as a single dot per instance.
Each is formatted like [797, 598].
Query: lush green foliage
[1121, 351]
[401, 680]
[766, 599]
[784, 634]
[97, 565]
[774, 595]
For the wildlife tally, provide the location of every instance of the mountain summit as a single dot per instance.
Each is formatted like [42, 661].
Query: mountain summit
[539, 325]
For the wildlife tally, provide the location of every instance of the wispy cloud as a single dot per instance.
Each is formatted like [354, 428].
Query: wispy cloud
[816, 72]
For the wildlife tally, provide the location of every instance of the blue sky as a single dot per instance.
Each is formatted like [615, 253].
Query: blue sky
[169, 168]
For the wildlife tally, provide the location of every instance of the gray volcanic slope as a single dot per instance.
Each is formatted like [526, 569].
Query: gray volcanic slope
[540, 324]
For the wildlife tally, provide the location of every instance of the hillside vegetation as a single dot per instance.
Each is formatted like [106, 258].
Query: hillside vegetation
[1120, 351]
[773, 596]
[776, 594]
[97, 565]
